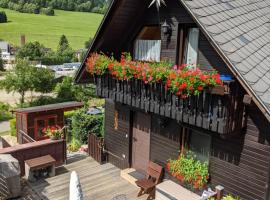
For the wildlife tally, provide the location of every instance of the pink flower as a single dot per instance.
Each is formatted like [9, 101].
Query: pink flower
[175, 67]
[150, 78]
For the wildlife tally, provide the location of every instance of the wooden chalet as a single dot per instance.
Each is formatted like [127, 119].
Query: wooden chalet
[229, 131]
[32, 120]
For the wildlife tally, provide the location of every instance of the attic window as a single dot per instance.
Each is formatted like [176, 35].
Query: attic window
[148, 44]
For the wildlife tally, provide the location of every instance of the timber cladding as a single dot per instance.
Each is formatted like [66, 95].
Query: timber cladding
[241, 164]
[117, 140]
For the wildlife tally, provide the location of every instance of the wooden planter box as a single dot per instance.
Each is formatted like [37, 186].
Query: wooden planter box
[95, 148]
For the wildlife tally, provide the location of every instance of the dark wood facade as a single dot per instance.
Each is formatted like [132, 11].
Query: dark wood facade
[239, 157]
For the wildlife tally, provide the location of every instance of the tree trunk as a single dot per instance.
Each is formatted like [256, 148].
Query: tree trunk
[22, 97]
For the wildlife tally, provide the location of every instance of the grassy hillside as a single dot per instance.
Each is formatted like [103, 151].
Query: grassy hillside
[77, 26]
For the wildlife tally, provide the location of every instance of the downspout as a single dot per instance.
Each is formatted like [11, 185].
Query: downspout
[246, 86]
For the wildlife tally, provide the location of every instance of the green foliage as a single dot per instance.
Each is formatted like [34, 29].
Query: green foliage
[26, 77]
[63, 44]
[74, 145]
[88, 43]
[230, 197]
[83, 124]
[68, 91]
[188, 168]
[47, 11]
[32, 51]
[12, 124]
[4, 112]
[35, 27]
[3, 17]
[42, 100]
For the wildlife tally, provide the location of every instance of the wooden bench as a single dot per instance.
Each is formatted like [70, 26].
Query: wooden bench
[39, 163]
[153, 177]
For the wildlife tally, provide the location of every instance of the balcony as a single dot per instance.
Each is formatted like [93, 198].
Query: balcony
[216, 111]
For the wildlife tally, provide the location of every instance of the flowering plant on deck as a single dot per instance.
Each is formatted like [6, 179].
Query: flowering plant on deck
[180, 80]
[54, 132]
[190, 170]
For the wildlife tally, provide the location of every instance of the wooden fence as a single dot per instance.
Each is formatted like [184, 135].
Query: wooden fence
[95, 148]
[24, 138]
[55, 148]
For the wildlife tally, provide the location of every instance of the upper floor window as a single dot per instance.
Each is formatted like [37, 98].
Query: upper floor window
[188, 45]
[147, 45]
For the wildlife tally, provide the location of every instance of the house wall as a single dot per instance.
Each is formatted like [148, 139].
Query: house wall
[117, 141]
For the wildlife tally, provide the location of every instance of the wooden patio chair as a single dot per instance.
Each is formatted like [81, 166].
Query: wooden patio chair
[153, 177]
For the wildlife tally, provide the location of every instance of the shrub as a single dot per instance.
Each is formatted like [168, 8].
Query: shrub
[3, 17]
[47, 11]
[230, 197]
[74, 145]
[83, 124]
[12, 125]
[4, 112]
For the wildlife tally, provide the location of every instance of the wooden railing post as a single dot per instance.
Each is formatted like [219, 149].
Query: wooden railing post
[219, 191]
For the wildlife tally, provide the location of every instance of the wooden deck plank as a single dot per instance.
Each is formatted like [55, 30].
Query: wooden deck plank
[98, 181]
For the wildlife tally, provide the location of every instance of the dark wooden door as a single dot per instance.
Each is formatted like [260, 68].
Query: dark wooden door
[141, 141]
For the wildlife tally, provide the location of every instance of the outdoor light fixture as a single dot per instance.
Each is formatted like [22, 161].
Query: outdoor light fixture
[166, 28]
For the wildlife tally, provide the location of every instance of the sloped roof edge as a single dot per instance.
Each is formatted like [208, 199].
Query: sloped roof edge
[236, 73]
[94, 41]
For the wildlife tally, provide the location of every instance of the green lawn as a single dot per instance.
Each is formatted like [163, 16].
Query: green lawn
[77, 26]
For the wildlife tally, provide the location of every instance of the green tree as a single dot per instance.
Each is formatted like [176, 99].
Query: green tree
[32, 51]
[3, 17]
[68, 91]
[88, 43]
[63, 44]
[26, 77]
[19, 80]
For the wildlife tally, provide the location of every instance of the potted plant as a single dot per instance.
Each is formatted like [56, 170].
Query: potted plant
[189, 170]
[54, 132]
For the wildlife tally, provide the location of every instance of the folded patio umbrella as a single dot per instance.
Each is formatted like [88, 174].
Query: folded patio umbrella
[75, 190]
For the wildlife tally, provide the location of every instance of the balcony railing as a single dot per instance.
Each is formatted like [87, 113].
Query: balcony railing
[209, 110]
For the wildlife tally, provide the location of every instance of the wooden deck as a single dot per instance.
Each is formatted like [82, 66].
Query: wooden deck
[99, 182]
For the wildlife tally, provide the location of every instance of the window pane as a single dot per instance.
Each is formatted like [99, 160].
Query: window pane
[40, 126]
[51, 121]
[192, 46]
[147, 50]
[200, 145]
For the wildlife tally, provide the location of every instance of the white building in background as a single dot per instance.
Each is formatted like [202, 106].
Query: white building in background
[6, 55]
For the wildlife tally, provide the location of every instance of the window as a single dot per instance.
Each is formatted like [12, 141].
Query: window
[147, 45]
[188, 42]
[43, 122]
[200, 144]
[192, 46]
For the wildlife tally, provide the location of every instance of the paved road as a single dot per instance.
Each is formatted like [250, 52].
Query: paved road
[4, 126]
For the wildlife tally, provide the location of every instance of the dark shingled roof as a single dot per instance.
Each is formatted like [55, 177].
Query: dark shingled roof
[241, 30]
[58, 106]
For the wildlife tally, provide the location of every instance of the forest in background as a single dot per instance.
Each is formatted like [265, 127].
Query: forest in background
[47, 6]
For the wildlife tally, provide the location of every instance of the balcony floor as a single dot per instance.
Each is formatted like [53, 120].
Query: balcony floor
[98, 181]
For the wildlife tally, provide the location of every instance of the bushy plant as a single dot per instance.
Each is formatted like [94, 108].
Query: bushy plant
[3, 17]
[12, 125]
[5, 114]
[74, 145]
[187, 168]
[83, 124]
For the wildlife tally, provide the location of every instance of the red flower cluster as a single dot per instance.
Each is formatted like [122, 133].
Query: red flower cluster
[180, 80]
[53, 131]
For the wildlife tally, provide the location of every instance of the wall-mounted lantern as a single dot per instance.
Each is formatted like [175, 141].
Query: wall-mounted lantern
[166, 28]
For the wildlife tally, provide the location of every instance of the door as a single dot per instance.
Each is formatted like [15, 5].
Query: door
[141, 141]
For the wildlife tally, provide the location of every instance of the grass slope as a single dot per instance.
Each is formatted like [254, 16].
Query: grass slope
[77, 26]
